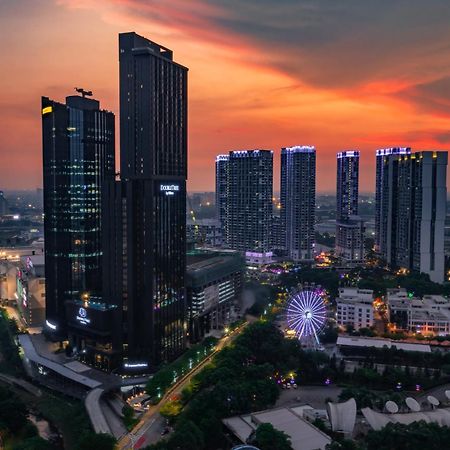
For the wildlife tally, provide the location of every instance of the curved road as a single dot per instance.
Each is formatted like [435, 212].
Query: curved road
[148, 430]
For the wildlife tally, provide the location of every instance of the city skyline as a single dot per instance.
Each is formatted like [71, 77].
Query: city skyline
[321, 89]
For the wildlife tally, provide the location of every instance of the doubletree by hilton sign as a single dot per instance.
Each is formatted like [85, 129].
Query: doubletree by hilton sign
[82, 316]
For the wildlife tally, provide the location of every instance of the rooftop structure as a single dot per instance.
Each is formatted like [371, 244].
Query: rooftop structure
[302, 434]
[429, 315]
[351, 341]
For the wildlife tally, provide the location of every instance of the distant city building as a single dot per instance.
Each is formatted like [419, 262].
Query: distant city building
[249, 204]
[355, 308]
[349, 226]
[214, 283]
[383, 173]
[145, 215]
[413, 212]
[78, 157]
[3, 204]
[298, 201]
[204, 232]
[222, 190]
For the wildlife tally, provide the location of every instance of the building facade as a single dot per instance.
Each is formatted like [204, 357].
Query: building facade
[78, 158]
[222, 191]
[298, 201]
[413, 211]
[145, 212]
[355, 308]
[249, 202]
[383, 175]
[214, 288]
[349, 226]
[204, 232]
[429, 315]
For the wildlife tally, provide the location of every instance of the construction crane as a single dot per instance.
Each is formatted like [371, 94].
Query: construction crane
[83, 92]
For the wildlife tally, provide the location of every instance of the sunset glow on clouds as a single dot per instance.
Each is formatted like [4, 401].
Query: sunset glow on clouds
[263, 74]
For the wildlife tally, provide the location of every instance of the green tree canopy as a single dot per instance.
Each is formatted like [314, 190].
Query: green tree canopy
[269, 438]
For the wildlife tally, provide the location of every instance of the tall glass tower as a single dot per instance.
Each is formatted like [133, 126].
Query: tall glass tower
[222, 191]
[413, 210]
[249, 203]
[145, 219]
[349, 226]
[298, 201]
[78, 157]
[384, 173]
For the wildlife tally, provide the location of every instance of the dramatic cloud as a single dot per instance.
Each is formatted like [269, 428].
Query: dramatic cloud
[263, 73]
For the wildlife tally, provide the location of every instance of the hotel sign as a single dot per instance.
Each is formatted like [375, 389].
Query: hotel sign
[169, 189]
[82, 316]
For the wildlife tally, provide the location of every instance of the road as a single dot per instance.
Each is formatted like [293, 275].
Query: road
[148, 430]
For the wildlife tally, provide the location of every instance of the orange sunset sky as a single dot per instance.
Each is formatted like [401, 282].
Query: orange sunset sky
[342, 74]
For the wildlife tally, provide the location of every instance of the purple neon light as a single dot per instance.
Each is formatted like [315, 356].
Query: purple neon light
[306, 314]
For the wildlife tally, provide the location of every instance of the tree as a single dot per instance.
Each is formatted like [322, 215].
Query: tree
[33, 443]
[13, 413]
[101, 441]
[171, 409]
[128, 416]
[187, 436]
[343, 444]
[269, 438]
[417, 436]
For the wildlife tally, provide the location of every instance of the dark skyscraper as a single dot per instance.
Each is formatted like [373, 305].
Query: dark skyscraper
[249, 203]
[145, 248]
[347, 184]
[298, 200]
[413, 211]
[221, 190]
[382, 174]
[349, 226]
[78, 157]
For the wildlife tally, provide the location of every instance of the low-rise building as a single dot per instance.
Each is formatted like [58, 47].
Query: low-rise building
[429, 315]
[214, 287]
[398, 303]
[355, 308]
[302, 434]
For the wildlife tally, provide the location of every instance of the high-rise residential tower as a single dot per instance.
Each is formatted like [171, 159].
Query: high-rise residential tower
[349, 226]
[221, 191]
[145, 235]
[383, 174]
[249, 203]
[413, 209]
[78, 158]
[298, 201]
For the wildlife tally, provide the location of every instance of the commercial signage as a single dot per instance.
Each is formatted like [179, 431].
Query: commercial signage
[82, 316]
[169, 189]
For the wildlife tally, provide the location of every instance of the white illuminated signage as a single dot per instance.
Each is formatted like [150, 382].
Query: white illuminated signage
[82, 317]
[169, 189]
[135, 365]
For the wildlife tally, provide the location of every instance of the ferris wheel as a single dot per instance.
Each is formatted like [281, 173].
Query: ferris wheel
[306, 314]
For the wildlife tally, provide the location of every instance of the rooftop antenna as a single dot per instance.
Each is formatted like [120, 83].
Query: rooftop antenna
[83, 92]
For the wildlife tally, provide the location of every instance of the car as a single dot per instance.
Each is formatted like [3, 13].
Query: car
[295, 386]
[288, 386]
[165, 431]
